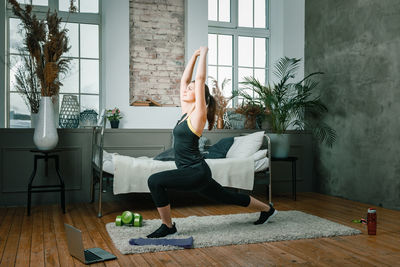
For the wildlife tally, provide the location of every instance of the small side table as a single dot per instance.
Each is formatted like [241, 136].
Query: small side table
[46, 155]
[293, 160]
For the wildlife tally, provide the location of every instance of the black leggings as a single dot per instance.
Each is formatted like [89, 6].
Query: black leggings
[195, 178]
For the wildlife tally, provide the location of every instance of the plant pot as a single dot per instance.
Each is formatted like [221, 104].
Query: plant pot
[45, 136]
[114, 124]
[250, 122]
[280, 145]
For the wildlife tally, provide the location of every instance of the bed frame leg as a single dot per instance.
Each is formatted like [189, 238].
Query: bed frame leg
[99, 214]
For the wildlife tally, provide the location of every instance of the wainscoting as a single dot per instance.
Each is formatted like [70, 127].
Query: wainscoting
[16, 160]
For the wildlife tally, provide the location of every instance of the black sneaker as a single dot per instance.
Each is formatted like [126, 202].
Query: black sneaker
[164, 230]
[265, 216]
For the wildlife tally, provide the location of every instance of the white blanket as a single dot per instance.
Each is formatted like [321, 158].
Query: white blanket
[131, 174]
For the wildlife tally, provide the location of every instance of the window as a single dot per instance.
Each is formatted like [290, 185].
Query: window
[238, 38]
[82, 79]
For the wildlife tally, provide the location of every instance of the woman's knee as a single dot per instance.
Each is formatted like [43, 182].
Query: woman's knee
[154, 180]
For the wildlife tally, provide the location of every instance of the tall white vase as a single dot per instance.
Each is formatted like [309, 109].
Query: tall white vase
[45, 136]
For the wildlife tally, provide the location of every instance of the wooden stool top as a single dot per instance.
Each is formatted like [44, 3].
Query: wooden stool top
[52, 151]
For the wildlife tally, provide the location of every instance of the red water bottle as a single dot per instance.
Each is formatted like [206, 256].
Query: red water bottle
[371, 221]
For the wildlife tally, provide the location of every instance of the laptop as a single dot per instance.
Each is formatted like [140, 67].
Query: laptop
[87, 256]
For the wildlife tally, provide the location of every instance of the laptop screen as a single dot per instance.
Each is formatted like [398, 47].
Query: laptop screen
[75, 244]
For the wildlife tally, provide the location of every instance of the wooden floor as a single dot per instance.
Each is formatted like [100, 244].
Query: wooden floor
[39, 240]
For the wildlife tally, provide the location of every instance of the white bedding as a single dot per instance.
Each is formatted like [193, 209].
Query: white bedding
[131, 174]
[108, 165]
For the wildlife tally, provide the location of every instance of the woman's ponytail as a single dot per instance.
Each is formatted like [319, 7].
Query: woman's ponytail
[211, 108]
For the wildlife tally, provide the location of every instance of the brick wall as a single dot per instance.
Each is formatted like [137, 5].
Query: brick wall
[157, 49]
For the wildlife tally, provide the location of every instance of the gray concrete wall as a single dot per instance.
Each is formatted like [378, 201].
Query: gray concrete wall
[357, 45]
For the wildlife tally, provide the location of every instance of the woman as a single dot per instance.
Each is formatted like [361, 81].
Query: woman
[193, 173]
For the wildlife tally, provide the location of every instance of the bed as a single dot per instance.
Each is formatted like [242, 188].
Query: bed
[130, 174]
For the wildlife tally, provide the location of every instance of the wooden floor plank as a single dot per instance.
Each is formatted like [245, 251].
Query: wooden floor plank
[5, 229]
[282, 257]
[25, 241]
[49, 239]
[11, 246]
[37, 248]
[61, 238]
[39, 240]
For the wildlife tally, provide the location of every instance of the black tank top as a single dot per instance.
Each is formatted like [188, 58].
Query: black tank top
[186, 144]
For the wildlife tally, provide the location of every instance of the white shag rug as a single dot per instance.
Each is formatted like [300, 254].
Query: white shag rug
[233, 229]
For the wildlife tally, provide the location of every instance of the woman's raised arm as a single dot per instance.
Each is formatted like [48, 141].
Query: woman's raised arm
[187, 74]
[200, 81]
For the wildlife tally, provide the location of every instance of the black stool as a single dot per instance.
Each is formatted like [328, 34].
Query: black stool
[46, 155]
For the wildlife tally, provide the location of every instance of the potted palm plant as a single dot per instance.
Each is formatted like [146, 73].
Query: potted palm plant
[287, 104]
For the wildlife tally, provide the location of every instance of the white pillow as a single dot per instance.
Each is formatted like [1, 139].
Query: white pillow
[260, 154]
[261, 165]
[245, 146]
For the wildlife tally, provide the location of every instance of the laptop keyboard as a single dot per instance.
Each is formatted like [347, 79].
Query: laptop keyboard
[89, 256]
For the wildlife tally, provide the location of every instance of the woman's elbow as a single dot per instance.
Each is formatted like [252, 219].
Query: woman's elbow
[200, 78]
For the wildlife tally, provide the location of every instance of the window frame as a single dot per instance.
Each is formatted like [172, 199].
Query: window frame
[41, 11]
[232, 28]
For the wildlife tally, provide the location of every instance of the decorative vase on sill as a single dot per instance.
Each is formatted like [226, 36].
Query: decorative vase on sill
[69, 114]
[114, 124]
[45, 136]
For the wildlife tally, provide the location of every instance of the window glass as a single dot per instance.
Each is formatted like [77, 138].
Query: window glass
[224, 10]
[212, 74]
[245, 46]
[212, 9]
[15, 63]
[89, 41]
[245, 10]
[225, 73]
[73, 35]
[259, 74]
[232, 53]
[63, 5]
[212, 49]
[89, 76]
[19, 112]
[34, 2]
[260, 53]
[224, 49]
[245, 72]
[259, 13]
[71, 80]
[16, 40]
[89, 6]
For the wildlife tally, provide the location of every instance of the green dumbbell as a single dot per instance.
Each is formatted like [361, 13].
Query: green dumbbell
[129, 218]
